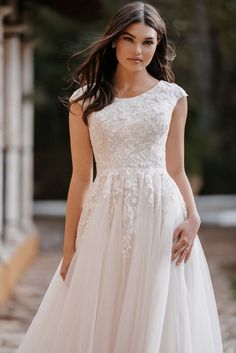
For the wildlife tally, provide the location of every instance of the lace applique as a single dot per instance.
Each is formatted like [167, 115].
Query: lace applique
[178, 92]
[89, 205]
[126, 185]
[114, 185]
[128, 138]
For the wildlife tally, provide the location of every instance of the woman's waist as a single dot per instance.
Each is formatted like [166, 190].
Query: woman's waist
[131, 170]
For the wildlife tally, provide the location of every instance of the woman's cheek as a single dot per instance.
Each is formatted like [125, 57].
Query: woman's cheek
[149, 54]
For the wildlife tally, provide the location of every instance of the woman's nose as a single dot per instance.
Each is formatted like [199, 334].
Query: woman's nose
[137, 49]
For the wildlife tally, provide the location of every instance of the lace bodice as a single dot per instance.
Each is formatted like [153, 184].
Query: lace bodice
[132, 132]
[128, 138]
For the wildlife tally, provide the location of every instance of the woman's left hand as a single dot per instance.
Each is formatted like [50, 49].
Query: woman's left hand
[183, 238]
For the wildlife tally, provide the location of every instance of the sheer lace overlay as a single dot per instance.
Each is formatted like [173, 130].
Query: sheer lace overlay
[128, 139]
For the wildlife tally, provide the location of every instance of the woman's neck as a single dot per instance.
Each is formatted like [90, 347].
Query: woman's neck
[127, 80]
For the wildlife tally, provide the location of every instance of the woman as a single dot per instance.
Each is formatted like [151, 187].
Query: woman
[133, 278]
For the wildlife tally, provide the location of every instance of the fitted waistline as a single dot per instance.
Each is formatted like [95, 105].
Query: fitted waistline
[131, 170]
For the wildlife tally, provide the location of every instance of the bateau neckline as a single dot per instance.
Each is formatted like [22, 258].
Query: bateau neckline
[141, 94]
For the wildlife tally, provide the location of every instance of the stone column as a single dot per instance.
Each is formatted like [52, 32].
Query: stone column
[13, 115]
[27, 136]
[21, 238]
[4, 11]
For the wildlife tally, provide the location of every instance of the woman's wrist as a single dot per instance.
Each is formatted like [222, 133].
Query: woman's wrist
[194, 218]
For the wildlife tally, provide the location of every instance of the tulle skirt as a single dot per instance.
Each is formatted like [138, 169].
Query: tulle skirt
[122, 293]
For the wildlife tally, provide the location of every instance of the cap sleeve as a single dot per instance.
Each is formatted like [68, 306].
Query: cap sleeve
[178, 92]
[76, 94]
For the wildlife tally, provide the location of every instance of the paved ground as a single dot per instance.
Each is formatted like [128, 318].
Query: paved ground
[220, 249]
[16, 314]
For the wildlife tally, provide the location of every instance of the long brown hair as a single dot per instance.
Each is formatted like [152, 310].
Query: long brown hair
[99, 66]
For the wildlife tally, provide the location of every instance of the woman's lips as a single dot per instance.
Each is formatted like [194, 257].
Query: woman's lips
[134, 60]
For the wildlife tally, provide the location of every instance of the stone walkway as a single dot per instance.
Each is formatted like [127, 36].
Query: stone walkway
[16, 314]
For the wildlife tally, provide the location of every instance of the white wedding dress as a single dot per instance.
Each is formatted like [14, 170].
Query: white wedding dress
[122, 293]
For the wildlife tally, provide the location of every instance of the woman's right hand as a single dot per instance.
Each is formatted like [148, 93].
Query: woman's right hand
[67, 257]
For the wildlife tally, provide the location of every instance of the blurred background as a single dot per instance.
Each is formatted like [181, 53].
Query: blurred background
[36, 40]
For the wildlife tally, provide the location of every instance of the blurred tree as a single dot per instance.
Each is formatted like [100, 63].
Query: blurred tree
[205, 37]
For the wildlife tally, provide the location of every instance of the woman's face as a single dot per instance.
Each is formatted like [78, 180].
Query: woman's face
[136, 46]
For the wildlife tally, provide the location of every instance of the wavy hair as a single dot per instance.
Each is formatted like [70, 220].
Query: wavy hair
[98, 68]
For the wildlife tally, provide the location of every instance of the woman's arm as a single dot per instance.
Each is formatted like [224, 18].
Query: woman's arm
[82, 174]
[185, 233]
[175, 155]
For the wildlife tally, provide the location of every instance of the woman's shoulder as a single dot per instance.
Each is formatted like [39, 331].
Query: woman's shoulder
[77, 93]
[177, 90]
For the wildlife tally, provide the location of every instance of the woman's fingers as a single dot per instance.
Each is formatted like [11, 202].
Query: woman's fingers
[188, 254]
[64, 269]
[182, 256]
[178, 251]
[178, 247]
[63, 273]
[182, 249]
[66, 264]
[176, 234]
[182, 242]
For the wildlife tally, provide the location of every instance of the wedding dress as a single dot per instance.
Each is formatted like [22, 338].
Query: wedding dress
[122, 293]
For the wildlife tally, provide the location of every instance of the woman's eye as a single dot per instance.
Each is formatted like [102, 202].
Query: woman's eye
[127, 38]
[148, 42]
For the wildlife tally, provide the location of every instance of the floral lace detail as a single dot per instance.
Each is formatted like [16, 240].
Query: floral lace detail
[126, 185]
[113, 185]
[89, 205]
[127, 188]
[177, 93]
[128, 138]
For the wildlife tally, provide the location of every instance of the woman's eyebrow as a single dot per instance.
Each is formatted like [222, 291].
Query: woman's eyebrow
[125, 32]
